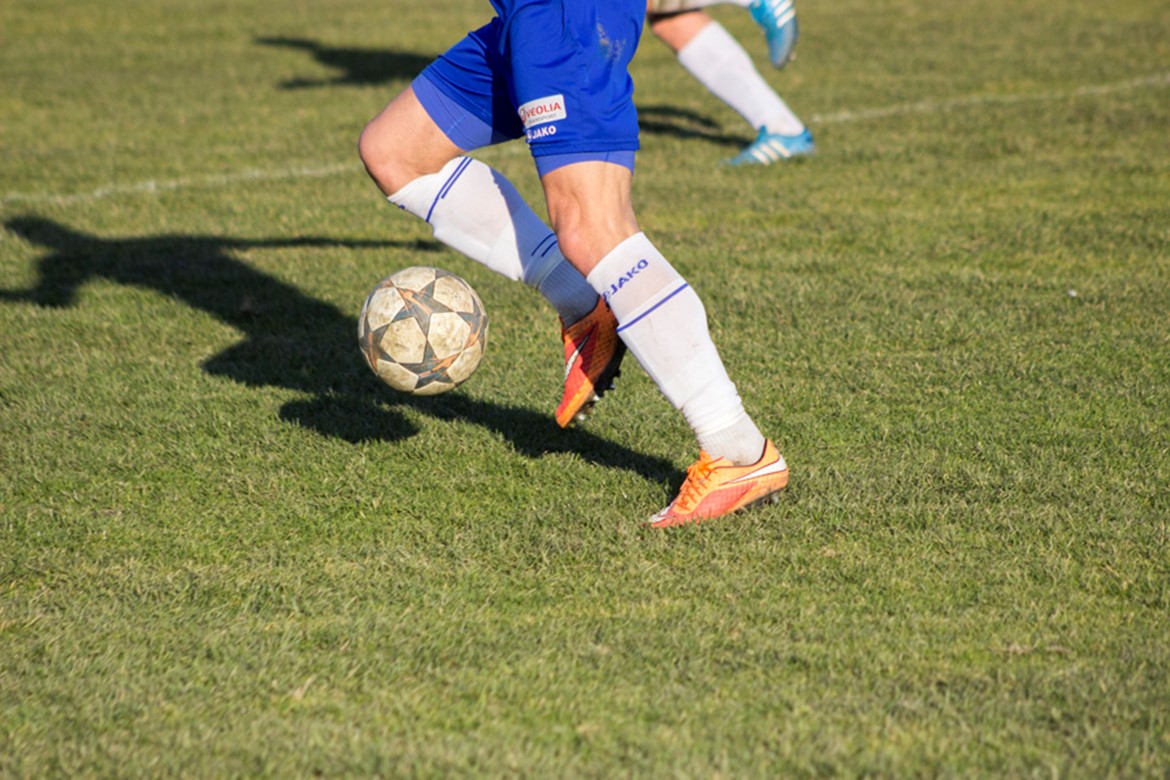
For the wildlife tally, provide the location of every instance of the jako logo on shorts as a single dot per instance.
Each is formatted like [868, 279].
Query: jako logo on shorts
[540, 132]
[543, 110]
[628, 276]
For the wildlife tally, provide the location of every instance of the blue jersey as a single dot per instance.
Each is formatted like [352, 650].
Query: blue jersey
[553, 71]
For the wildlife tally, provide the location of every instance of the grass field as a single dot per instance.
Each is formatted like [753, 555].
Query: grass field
[227, 550]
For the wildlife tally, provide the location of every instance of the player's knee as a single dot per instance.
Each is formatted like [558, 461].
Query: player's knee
[382, 160]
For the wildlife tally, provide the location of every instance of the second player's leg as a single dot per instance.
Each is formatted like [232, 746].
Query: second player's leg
[720, 63]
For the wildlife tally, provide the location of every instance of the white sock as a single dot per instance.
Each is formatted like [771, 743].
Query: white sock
[475, 210]
[721, 64]
[663, 322]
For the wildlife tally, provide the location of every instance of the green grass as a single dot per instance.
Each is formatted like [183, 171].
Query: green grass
[226, 550]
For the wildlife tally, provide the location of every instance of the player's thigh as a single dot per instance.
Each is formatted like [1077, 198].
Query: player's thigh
[678, 30]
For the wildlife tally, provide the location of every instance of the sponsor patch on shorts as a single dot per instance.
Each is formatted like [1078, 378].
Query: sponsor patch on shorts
[543, 110]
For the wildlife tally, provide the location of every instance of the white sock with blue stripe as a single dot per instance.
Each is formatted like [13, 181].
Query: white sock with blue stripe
[475, 210]
[663, 322]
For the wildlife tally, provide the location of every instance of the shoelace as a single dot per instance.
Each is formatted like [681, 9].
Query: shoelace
[698, 473]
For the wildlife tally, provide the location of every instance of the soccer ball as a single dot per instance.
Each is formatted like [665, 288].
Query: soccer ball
[423, 330]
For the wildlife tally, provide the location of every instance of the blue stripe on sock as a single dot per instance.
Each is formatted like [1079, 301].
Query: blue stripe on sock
[550, 237]
[651, 310]
[447, 185]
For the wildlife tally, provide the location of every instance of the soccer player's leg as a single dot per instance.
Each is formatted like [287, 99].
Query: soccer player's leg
[664, 323]
[718, 61]
[566, 97]
[589, 206]
[415, 152]
[660, 318]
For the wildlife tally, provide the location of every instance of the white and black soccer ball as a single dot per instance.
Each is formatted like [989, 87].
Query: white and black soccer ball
[423, 330]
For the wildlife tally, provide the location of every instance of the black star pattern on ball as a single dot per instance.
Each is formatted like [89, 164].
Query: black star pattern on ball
[421, 305]
[371, 343]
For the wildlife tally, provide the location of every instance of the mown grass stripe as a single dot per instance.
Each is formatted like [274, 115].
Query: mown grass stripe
[154, 186]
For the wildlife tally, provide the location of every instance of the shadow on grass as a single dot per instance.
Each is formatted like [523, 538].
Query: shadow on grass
[682, 123]
[355, 67]
[291, 340]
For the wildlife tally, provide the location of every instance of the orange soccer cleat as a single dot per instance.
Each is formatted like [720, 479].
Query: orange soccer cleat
[714, 487]
[593, 359]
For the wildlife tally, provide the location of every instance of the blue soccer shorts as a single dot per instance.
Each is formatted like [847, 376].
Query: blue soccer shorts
[552, 71]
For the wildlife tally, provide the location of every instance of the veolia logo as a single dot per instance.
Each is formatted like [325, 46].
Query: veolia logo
[543, 110]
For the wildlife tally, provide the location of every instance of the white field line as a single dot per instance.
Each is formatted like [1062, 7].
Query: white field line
[940, 106]
[152, 186]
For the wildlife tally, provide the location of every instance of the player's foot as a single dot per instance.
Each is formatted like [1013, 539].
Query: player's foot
[714, 487]
[777, 18]
[773, 147]
[593, 358]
